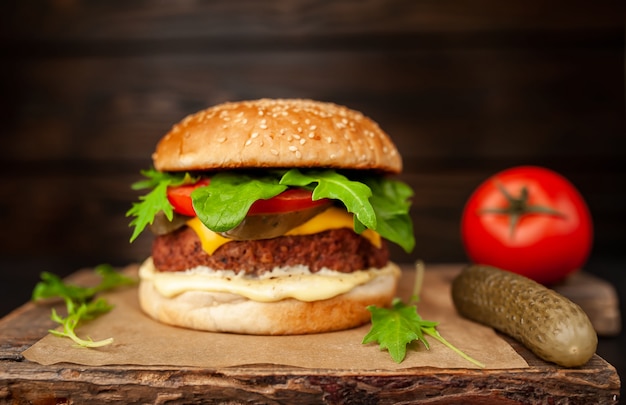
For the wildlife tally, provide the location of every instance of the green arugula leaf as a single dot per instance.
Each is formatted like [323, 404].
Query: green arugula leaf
[155, 177]
[156, 200]
[391, 202]
[52, 286]
[85, 311]
[330, 184]
[377, 203]
[396, 327]
[79, 302]
[110, 279]
[235, 191]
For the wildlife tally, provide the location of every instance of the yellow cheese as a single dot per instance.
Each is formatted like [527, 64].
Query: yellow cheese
[296, 283]
[332, 218]
[210, 240]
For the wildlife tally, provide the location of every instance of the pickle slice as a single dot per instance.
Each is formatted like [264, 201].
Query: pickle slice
[161, 225]
[267, 226]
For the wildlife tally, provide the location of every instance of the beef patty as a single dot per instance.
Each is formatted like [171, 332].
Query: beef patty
[337, 249]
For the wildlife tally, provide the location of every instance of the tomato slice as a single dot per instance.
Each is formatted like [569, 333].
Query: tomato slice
[293, 199]
[290, 200]
[180, 197]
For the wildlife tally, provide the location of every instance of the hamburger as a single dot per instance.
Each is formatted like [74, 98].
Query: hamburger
[271, 217]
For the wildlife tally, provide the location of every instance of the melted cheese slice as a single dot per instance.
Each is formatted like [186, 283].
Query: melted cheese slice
[277, 285]
[332, 218]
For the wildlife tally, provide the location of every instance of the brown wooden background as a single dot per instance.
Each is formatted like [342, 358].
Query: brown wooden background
[465, 88]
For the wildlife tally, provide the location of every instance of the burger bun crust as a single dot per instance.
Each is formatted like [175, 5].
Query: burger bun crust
[276, 133]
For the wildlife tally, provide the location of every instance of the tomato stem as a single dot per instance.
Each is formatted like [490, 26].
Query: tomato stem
[518, 207]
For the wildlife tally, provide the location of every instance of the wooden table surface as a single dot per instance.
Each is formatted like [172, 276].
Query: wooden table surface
[25, 382]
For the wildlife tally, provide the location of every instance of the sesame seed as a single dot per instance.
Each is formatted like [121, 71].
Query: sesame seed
[296, 136]
[254, 135]
[311, 135]
[221, 139]
[293, 148]
[313, 127]
[329, 139]
[302, 141]
[274, 152]
[298, 154]
[248, 142]
[299, 129]
[307, 121]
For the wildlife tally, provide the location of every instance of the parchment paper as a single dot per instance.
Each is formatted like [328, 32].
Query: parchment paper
[139, 340]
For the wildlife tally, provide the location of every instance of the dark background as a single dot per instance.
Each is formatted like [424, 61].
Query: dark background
[465, 88]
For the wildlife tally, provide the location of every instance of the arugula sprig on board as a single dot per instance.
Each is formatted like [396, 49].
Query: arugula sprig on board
[396, 327]
[378, 203]
[79, 301]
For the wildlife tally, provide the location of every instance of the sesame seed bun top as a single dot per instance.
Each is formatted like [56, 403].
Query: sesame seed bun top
[277, 133]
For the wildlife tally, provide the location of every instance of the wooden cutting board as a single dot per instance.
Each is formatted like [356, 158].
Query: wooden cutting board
[597, 298]
[22, 381]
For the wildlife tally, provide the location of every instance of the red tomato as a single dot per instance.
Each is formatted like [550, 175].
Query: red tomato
[289, 200]
[292, 199]
[180, 197]
[528, 220]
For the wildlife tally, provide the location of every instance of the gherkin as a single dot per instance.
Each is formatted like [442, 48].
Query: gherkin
[550, 325]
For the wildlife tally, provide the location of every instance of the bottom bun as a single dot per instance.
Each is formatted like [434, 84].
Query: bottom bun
[225, 312]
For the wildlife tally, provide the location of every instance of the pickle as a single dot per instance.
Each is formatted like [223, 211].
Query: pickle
[547, 323]
[161, 225]
[267, 226]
